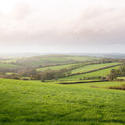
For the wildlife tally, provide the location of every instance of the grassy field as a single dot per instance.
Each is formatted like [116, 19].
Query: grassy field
[36, 103]
[8, 60]
[81, 67]
[92, 67]
[121, 78]
[103, 72]
[56, 67]
[53, 60]
[7, 65]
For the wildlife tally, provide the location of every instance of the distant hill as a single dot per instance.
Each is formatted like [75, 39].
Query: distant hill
[45, 60]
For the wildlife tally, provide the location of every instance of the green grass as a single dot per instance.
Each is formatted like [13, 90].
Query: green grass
[77, 70]
[56, 67]
[7, 65]
[92, 67]
[10, 73]
[8, 61]
[121, 78]
[53, 60]
[103, 72]
[36, 103]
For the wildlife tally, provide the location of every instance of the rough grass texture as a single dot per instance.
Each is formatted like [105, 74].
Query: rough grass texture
[36, 103]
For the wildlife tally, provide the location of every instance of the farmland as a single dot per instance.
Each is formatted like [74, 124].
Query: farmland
[62, 62]
[56, 67]
[91, 67]
[7, 65]
[41, 63]
[49, 60]
[80, 67]
[33, 102]
[84, 98]
[102, 73]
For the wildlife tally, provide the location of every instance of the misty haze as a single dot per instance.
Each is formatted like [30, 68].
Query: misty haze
[54, 26]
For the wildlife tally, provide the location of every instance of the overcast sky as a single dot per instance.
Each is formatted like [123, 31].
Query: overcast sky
[62, 26]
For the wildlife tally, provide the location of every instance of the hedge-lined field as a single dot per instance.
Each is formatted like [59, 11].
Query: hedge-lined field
[53, 60]
[58, 67]
[92, 67]
[8, 65]
[98, 73]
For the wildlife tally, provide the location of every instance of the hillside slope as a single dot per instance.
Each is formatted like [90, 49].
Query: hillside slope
[53, 60]
[36, 103]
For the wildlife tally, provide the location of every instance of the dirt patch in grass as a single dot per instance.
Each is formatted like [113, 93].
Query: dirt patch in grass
[122, 87]
[95, 86]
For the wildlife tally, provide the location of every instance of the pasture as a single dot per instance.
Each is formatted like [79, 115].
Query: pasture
[48, 60]
[99, 73]
[7, 65]
[36, 103]
[92, 67]
[58, 67]
[33, 102]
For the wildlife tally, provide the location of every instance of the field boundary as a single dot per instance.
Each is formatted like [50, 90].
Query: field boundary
[65, 83]
[106, 67]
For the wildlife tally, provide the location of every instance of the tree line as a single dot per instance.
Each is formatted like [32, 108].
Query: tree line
[114, 73]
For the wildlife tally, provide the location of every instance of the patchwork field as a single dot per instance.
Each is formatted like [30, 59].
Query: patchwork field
[53, 60]
[64, 97]
[8, 66]
[80, 67]
[99, 73]
[36, 103]
[92, 67]
[57, 67]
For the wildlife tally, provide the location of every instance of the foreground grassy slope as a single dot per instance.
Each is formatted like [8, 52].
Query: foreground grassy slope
[36, 103]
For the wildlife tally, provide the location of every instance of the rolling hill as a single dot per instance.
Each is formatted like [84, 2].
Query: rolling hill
[99, 70]
[53, 60]
[36, 103]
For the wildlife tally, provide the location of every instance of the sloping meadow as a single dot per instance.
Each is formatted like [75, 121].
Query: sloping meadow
[37, 103]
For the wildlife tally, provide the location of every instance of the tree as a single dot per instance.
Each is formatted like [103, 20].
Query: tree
[112, 75]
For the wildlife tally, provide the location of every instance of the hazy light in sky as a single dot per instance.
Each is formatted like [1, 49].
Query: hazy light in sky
[62, 25]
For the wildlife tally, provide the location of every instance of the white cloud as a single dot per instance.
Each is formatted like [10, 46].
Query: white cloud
[78, 24]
